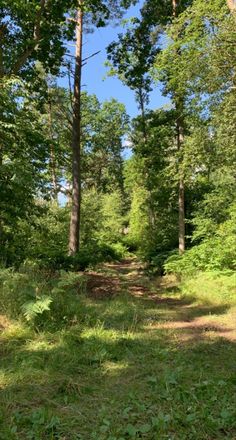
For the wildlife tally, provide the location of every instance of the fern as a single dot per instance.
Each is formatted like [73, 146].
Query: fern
[32, 309]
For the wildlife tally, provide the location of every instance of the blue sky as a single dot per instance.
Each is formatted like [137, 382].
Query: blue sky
[94, 72]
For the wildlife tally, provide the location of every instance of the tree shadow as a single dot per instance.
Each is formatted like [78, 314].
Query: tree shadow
[128, 380]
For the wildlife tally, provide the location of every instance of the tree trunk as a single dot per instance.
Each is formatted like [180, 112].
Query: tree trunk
[181, 198]
[143, 115]
[232, 5]
[180, 138]
[74, 236]
[52, 154]
[2, 35]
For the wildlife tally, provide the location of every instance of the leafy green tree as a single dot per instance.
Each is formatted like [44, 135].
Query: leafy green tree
[154, 184]
[22, 163]
[32, 31]
[205, 72]
[102, 144]
[131, 58]
[137, 49]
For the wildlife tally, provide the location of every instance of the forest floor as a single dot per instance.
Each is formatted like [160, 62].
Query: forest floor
[145, 362]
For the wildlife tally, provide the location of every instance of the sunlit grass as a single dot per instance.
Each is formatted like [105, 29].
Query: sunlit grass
[211, 288]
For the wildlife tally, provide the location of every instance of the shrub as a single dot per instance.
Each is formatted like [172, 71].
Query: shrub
[88, 256]
[215, 253]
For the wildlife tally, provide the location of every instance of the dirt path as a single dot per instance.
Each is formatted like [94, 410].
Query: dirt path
[187, 319]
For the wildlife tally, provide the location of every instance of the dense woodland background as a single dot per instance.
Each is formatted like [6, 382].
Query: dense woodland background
[179, 183]
[70, 198]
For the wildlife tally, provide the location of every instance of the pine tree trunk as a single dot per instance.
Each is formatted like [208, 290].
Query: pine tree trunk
[180, 138]
[74, 236]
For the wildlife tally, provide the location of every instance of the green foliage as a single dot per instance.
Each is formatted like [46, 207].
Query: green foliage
[23, 150]
[43, 301]
[104, 125]
[138, 217]
[49, 232]
[150, 178]
[40, 422]
[112, 217]
[32, 309]
[215, 252]
[95, 253]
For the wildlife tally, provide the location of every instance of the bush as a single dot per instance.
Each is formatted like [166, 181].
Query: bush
[88, 256]
[215, 253]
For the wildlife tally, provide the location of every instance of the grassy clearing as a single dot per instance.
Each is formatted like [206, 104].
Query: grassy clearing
[123, 370]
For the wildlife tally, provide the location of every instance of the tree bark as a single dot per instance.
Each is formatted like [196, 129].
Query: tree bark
[52, 153]
[180, 138]
[232, 5]
[142, 108]
[2, 36]
[74, 236]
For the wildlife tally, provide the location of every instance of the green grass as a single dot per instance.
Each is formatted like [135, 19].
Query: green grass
[118, 373]
[212, 287]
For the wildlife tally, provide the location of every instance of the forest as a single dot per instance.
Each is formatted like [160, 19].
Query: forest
[118, 230]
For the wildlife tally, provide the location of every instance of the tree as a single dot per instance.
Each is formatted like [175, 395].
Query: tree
[74, 236]
[102, 144]
[32, 31]
[204, 71]
[153, 184]
[25, 154]
[137, 49]
[131, 57]
[98, 12]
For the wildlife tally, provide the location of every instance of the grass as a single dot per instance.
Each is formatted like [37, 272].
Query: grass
[122, 370]
[212, 287]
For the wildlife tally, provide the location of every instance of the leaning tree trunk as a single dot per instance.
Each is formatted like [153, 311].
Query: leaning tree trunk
[180, 138]
[74, 236]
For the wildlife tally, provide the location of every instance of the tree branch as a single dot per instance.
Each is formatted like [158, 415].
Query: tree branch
[91, 56]
[36, 38]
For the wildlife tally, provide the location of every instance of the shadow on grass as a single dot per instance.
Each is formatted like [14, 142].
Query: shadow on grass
[127, 382]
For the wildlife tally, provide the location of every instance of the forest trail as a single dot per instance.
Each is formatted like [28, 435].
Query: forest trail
[137, 361]
[184, 316]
